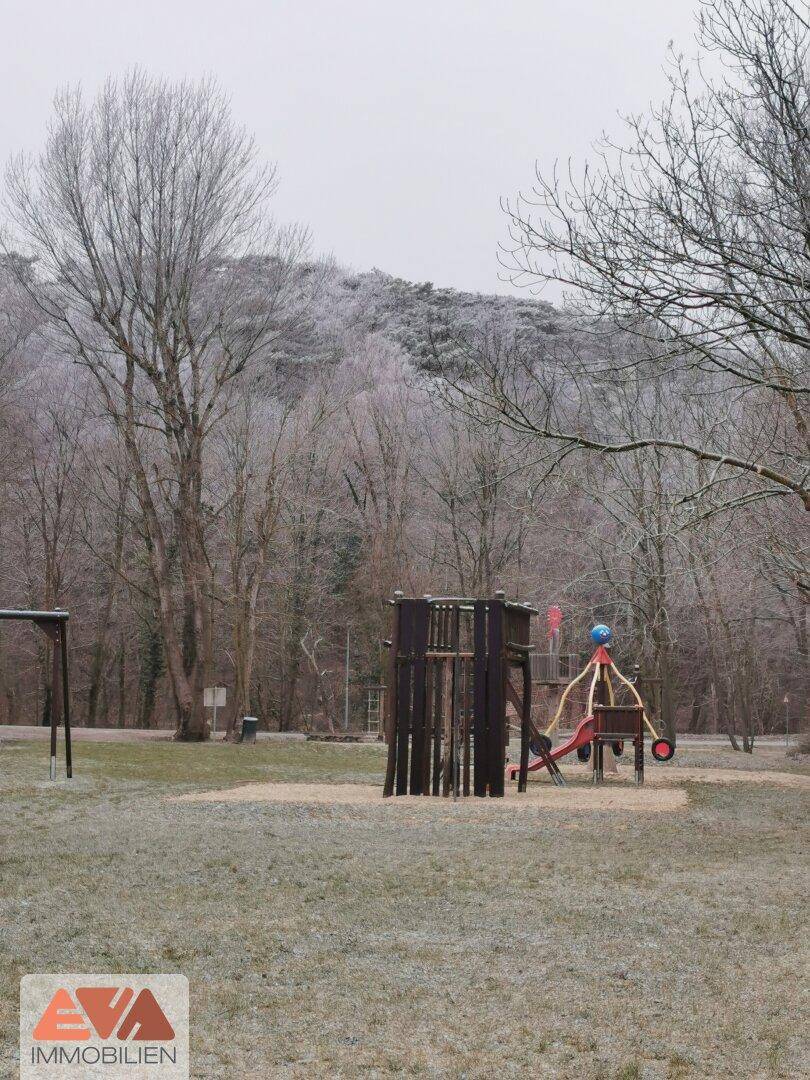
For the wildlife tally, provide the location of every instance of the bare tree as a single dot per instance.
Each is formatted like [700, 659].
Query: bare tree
[104, 532]
[485, 501]
[48, 495]
[379, 451]
[142, 212]
[258, 448]
[633, 542]
[691, 235]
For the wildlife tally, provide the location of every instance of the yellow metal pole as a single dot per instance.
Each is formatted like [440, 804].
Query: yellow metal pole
[637, 696]
[564, 698]
[592, 691]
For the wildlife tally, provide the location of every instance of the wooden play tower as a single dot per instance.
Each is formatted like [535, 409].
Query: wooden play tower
[450, 671]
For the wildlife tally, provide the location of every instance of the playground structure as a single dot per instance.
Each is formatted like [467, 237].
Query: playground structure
[449, 671]
[54, 625]
[605, 722]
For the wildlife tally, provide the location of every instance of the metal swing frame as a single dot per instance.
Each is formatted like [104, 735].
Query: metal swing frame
[54, 625]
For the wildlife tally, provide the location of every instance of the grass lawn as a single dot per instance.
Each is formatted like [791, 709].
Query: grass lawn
[344, 941]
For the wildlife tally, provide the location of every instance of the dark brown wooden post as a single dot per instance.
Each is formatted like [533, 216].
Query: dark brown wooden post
[525, 724]
[466, 666]
[638, 744]
[455, 716]
[391, 702]
[438, 697]
[427, 754]
[447, 726]
[496, 696]
[404, 693]
[481, 757]
[421, 617]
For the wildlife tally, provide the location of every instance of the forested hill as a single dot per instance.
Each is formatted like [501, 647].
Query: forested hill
[420, 317]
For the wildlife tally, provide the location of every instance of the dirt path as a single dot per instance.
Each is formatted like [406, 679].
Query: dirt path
[679, 774]
[16, 732]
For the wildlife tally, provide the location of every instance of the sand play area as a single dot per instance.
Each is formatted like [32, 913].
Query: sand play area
[538, 796]
[660, 793]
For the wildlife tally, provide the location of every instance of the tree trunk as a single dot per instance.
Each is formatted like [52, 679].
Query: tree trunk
[244, 647]
[151, 667]
[122, 683]
[99, 659]
[96, 677]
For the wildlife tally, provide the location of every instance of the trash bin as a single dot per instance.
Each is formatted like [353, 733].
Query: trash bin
[249, 725]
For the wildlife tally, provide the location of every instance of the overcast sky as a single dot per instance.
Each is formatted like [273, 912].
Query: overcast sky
[396, 124]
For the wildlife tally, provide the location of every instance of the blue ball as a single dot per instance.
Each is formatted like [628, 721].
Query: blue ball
[601, 634]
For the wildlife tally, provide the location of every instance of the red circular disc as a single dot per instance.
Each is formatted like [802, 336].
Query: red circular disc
[662, 749]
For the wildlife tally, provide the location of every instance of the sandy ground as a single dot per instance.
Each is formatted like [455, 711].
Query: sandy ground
[641, 800]
[658, 796]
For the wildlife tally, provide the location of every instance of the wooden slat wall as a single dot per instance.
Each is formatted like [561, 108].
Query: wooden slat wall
[624, 721]
[435, 674]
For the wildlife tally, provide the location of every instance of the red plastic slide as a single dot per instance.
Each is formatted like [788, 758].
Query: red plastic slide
[583, 733]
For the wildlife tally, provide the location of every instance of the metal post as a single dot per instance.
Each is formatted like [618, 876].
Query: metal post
[214, 718]
[346, 697]
[66, 698]
[55, 689]
[786, 700]
[456, 726]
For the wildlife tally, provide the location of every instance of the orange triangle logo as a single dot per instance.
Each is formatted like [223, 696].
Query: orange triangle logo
[149, 1018]
[61, 1021]
[103, 1011]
